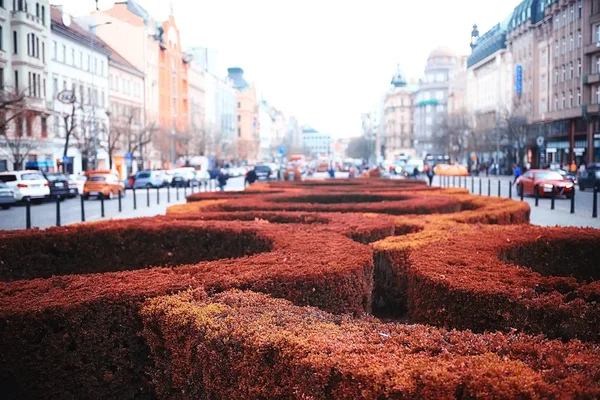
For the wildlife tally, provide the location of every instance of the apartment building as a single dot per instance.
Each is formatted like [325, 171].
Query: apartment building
[25, 141]
[398, 114]
[248, 131]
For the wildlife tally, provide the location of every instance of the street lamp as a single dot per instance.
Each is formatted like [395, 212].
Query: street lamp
[94, 132]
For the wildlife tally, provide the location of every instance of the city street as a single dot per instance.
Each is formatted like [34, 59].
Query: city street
[44, 215]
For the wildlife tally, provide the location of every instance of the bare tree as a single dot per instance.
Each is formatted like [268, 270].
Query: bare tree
[136, 138]
[454, 134]
[113, 140]
[17, 145]
[84, 139]
[70, 125]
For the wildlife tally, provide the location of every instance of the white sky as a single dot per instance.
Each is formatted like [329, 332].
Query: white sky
[326, 61]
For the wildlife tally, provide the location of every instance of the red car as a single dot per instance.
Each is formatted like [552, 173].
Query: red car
[546, 181]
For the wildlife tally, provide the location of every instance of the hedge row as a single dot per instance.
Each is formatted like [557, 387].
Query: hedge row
[120, 245]
[363, 228]
[77, 336]
[539, 280]
[247, 346]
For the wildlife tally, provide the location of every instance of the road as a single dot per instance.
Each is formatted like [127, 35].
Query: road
[44, 215]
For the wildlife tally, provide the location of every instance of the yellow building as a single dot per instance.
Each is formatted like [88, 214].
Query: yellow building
[248, 129]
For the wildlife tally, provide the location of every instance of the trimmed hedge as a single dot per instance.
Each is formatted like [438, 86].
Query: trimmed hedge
[120, 245]
[77, 336]
[247, 345]
[363, 228]
[539, 280]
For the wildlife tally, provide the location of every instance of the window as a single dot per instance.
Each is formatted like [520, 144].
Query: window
[578, 97]
[54, 50]
[80, 60]
[1, 78]
[563, 100]
[1, 39]
[555, 75]
[37, 10]
[598, 33]
[55, 86]
[73, 57]
[17, 81]
[89, 64]
[564, 45]
[555, 102]
[571, 70]
[44, 52]
[43, 15]
[579, 40]
[597, 94]
[564, 73]
[64, 54]
[29, 125]
[571, 98]
[102, 68]
[239, 131]
[564, 18]
[571, 42]
[15, 47]
[556, 51]
[64, 85]
[579, 6]
[598, 64]
[44, 125]
[572, 13]
[578, 67]
[543, 82]
[95, 65]
[239, 105]
[239, 118]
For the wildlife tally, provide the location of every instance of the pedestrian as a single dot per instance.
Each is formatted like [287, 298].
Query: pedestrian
[251, 177]
[573, 167]
[331, 172]
[581, 169]
[416, 172]
[517, 173]
[429, 171]
[222, 179]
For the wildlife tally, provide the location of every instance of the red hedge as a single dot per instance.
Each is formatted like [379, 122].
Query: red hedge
[540, 280]
[77, 335]
[247, 345]
[120, 245]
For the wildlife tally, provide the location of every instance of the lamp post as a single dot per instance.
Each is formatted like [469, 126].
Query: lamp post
[92, 101]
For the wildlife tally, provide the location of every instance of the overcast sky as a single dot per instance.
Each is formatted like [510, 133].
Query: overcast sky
[326, 61]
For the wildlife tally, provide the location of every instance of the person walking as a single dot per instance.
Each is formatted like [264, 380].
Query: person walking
[429, 172]
[222, 179]
[251, 177]
[517, 173]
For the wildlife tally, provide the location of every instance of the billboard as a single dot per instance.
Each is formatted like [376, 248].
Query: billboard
[519, 80]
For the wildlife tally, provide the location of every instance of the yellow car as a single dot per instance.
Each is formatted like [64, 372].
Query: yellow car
[102, 184]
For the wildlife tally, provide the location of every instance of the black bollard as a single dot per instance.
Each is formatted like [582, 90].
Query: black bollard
[537, 195]
[28, 214]
[157, 195]
[480, 186]
[552, 198]
[499, 188]
[82, 208]
[177, 192]
[120, 205]
[57, 210]
[489, 187]
[134, 200]
[522, 192]
[453, 181]
[185, 191]
[102, 205]
[168, 194]
[573, 201]
[472, 184]
[509, 190]
[595, 204]
[148, 197]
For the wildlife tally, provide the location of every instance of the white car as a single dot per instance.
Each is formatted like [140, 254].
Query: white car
[27, 185]
[78, 181]
[202, 176]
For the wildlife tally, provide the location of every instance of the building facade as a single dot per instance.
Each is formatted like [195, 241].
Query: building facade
[25, 140]
[398, 113]
[197, 96]
[266, 128]
[248, 133]
[315, 143]
[431, 99]
[79, 64]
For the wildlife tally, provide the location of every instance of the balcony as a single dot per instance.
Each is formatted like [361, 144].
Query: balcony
[3, 14]
[592, 109]
[592, 48]
[22, 17]
[591, 79]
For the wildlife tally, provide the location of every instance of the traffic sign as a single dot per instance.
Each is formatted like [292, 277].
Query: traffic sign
[65, 160]
[540, 141]
[66, 97]
[282, 150]
[128, 156]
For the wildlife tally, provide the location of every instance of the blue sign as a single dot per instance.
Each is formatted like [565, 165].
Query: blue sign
[519, 79]
[282, 150]
[66, 160]
[128, 156]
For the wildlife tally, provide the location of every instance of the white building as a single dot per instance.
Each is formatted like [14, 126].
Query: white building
[24, 40]
[197, 98]
[79, 65]
[315, 144]
[266, 129]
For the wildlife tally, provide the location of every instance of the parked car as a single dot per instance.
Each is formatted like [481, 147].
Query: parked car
[202, 176]
[214, 172]
[148, 179]
[589, 179]
[59, 185]
[102, 184]
[263, 172]
[184, 179]
[7, 197]
[236, 171]
[546, 181]
[76, 183]
[27, 185]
